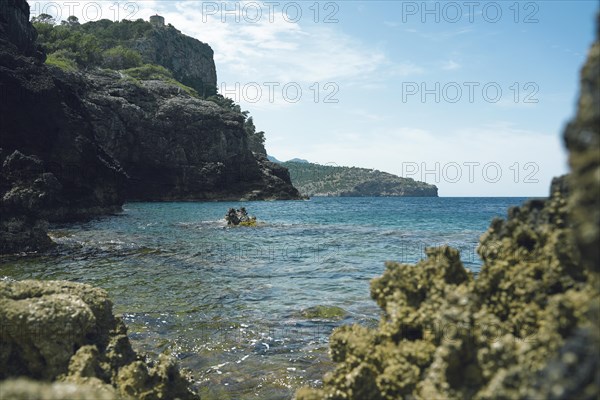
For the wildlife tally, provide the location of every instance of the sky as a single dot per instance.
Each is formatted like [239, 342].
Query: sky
[471, 96]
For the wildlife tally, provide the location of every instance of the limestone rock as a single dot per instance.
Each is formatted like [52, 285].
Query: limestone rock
[174, 146]
[65, 335]
[190, 60]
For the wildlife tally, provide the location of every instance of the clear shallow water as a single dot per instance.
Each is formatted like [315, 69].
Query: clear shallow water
[228, 302]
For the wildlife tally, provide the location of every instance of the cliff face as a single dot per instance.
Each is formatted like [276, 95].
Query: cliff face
[526, 327]
[174, 146]
[52, 168]
[190, 60]
[15, 29]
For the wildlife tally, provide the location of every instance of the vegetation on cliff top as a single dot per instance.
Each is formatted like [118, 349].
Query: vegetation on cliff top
[327, 180]
[94, 44]
[72, 46]
[105, 44]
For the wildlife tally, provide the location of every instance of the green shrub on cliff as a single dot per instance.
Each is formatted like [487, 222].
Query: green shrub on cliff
[84, 48]
[225, 102]
[63, 60]
[149, 72]
[104, 35]
[121, 58]
[256, 140]
[99, 43]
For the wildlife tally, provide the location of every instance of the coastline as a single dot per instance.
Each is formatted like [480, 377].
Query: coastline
[253, 310]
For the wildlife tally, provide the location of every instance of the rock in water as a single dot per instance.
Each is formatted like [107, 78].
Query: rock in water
[65, 337]
[239, 217]
[526, 328]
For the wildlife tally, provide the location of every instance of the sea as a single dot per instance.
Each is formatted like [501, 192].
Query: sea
[248, 311]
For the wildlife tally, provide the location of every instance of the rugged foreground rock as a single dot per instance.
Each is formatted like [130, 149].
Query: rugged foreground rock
[526, 328]
[60, 340]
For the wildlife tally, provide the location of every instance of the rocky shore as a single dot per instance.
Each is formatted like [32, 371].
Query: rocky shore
[60, 340]
[78, 144]
[525, 328]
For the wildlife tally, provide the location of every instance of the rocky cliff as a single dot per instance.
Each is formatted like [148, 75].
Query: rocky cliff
[173, 145]
[64, 136]
[525, 328]
[52, 167]
[15, 29]
[190, 60]
[153, 116]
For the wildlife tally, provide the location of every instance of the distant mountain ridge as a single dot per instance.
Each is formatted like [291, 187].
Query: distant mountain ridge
[326, 180]
[277, 161]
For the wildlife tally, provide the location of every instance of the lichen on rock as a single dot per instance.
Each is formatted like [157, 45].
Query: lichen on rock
[526, 327]
[65, 337]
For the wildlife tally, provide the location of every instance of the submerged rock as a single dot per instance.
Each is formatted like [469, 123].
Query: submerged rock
[323, 312]
[65, 337]
[526, 328]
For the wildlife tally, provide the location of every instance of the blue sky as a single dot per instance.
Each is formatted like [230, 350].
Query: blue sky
[500, 82]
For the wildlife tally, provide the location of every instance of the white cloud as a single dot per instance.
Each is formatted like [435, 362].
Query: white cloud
[277, 50]
[451, 65]
[274, 48]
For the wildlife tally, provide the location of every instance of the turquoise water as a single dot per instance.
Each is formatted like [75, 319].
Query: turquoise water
[229, 302]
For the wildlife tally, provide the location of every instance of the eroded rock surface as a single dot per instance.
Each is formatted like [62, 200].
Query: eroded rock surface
[65, 337]
[174, 146]
[190, 60]
[99, 139]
